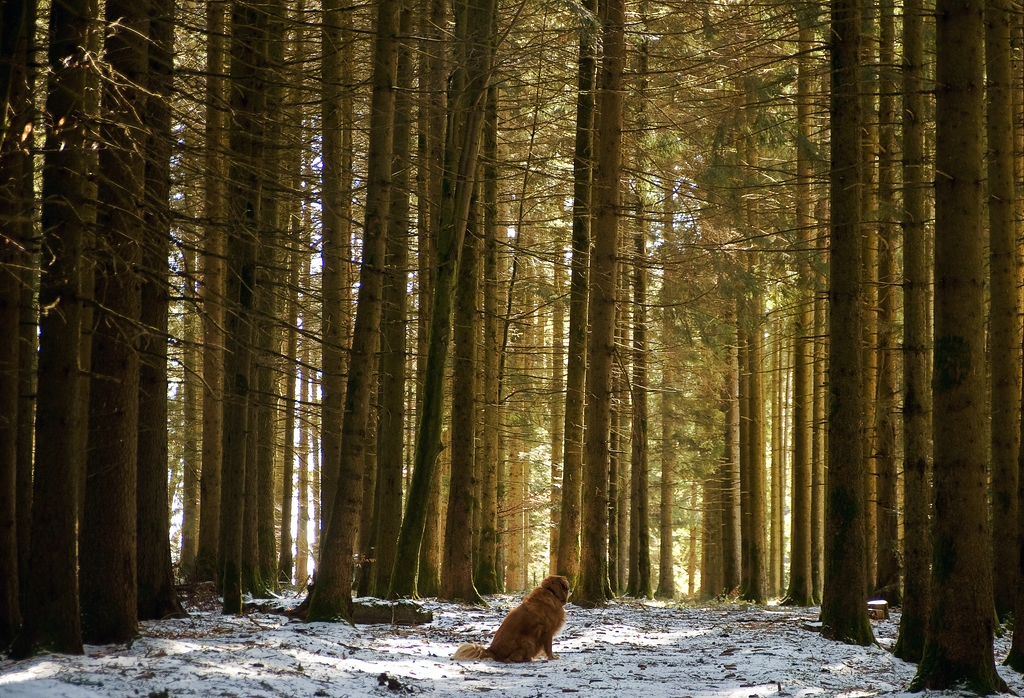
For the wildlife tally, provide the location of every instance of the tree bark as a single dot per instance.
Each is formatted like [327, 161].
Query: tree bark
[331, 598]
[108, 528]
[461, 150]
[1004, 338]
[336, 173]
[15, 240]
[457, 563]
[640, 469]
[916, 385]
[579, 290]
[157, 598]
[888, 568]
[248, 37]
[844, 596]
[208, 553]
[51, 608]
[800, 591]
[958, 644]
[592, 589]
[394, 354]
[666, 572]
[731, 566]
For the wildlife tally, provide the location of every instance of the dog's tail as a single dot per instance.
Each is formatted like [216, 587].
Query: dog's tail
[471, 651]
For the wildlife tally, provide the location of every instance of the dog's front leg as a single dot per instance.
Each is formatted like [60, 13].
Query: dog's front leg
[547, 649]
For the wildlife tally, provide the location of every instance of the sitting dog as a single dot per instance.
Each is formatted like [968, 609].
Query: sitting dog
[528, 629]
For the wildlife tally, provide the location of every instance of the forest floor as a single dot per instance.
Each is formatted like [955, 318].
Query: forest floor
[628, 649]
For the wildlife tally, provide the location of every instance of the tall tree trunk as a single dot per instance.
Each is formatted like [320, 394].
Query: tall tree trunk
[844, 613]
[15, 238]
[800, 592]
[248, 43]
[252, 577]
[592, 588]
[302, 416]
[270, 263]
[191, 467]
[579, 289]
[916, 385]
[731, 471]
[394, 354]
[331, 597]
[457, 563]
[869, 258]
[887, 579]
[618, 474]
[51, 608]
[754, 586]
[108, 528]
[486, 576]
[336, 173]
[1004, 338]
[666, 572]
[958, 644]
[157, 597]
[557, 423]
[208, 553]
[777, 492]
[640, 470]
[460, 159]
[819, 447]
[286, 561]
[691, 561]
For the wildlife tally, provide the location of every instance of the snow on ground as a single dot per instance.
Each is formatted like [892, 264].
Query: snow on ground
[629, 649]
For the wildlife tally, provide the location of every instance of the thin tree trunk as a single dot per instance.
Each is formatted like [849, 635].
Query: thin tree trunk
[1004, 338]
[302, 416]
[486, 576]
[640, 469]
[800, 592]
[887, 580]
[755, 588]
[208, 553]
[869, 257]
[248, 35]
[286, 562]
[579, 289]
[666, 572]
[557, 412]
[778, 458]
[819, 448]
[916, 385]
[336, 173]
[157, 598]
[731, 470]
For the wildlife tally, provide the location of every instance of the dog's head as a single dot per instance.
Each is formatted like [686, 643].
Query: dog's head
[557, 585]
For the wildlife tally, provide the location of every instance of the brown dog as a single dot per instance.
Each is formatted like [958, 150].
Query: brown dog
[528, 629]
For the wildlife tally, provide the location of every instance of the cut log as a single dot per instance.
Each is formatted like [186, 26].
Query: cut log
[878, 609]
[364, 611]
